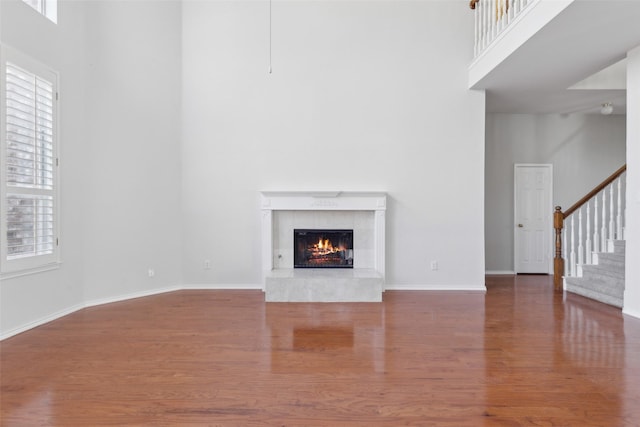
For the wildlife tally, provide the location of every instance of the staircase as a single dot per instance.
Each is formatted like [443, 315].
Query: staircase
[603, 280]
[590, 246]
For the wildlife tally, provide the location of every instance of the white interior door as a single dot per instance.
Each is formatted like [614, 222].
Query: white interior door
[533, 218]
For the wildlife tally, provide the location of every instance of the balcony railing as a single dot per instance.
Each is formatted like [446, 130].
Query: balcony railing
[492, 17]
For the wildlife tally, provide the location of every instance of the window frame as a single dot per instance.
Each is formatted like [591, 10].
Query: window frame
[46, 8]
[33, 263]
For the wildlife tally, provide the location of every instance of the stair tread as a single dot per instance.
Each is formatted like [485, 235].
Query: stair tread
[618, 246]
[602, 270]
[604, 279]
[605, 264]
[611, 255]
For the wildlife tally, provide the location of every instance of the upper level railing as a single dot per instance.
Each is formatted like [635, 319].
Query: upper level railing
[492, 17]
[591, 222]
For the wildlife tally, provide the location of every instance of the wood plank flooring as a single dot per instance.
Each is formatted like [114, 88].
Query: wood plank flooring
[519, 355]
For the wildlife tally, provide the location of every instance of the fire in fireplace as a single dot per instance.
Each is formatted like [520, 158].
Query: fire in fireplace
[322, 248]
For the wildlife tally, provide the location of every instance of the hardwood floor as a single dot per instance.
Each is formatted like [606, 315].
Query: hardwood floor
[518, 355]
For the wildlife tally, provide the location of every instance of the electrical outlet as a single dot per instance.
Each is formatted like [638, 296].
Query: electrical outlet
[151, 272]
[434, 265]
[207, 264]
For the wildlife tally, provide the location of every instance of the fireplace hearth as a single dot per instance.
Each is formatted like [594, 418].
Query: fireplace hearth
[286, 211]
[315, 248]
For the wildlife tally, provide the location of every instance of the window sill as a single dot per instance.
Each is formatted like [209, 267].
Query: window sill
[29, 271]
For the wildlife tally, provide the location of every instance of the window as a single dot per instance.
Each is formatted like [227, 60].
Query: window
[48, 8]
[29, 163]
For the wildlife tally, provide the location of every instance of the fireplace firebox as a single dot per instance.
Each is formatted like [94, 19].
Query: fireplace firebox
[315, 248]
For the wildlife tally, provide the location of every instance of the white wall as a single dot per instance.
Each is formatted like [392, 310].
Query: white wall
[119, 65]
[632, 267]
[367, 80]
[363, 96]
[132, 215]
[30, 299]
[583, 149]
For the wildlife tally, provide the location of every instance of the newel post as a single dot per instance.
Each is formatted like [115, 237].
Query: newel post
[558, 261]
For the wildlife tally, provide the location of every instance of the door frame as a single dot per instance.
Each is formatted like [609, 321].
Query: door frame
[549, 222]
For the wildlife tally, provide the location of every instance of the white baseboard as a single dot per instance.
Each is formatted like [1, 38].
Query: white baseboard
[133, 295]
[86, 304]
[632, 313]
[424, 287]
[41, 321]
[218, 286]
[123, 297]
[150, 292]
[499, 272]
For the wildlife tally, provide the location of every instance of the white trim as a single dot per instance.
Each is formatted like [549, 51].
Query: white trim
[120, 298]
[46, 8]
[38, 263]
[133, 295]
[41, 321]
[500, 272]
[425, 287]
[222, 286]
[102, 301]
[271, 201]
[29, 271]
[632, 313]
[81, 306]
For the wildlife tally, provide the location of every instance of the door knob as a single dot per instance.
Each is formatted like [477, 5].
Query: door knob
[520, 225]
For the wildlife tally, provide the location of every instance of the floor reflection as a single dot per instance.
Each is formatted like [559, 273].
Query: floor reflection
[318, 338]
[519, 355]
[589, 338]
[552, 357]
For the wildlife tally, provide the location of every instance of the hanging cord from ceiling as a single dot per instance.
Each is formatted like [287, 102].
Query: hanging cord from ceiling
[270, 32]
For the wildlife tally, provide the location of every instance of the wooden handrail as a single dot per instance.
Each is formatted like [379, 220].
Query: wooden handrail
[595, 191]
[472, 4]
[558, 225]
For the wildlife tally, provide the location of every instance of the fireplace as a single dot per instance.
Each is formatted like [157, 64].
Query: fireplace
[313, 248]
[363, 213]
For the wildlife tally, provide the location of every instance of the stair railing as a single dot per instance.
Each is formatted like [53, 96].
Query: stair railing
[592, 221]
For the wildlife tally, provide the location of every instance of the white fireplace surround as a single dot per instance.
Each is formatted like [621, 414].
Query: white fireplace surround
[278, 202]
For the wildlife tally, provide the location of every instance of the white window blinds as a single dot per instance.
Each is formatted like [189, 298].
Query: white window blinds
[30, 225]
[29, 193]
[29, 129]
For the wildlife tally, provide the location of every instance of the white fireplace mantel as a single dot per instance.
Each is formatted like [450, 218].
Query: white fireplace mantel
[271, 201]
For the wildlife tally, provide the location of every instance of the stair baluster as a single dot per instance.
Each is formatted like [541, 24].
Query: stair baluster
[596, 231]
[593, 265]
[588, 245]
[580, 246]
[483, 12]
[603, 230]
[612, 216]
[494, 15]
[619, 216]
[572, 255]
